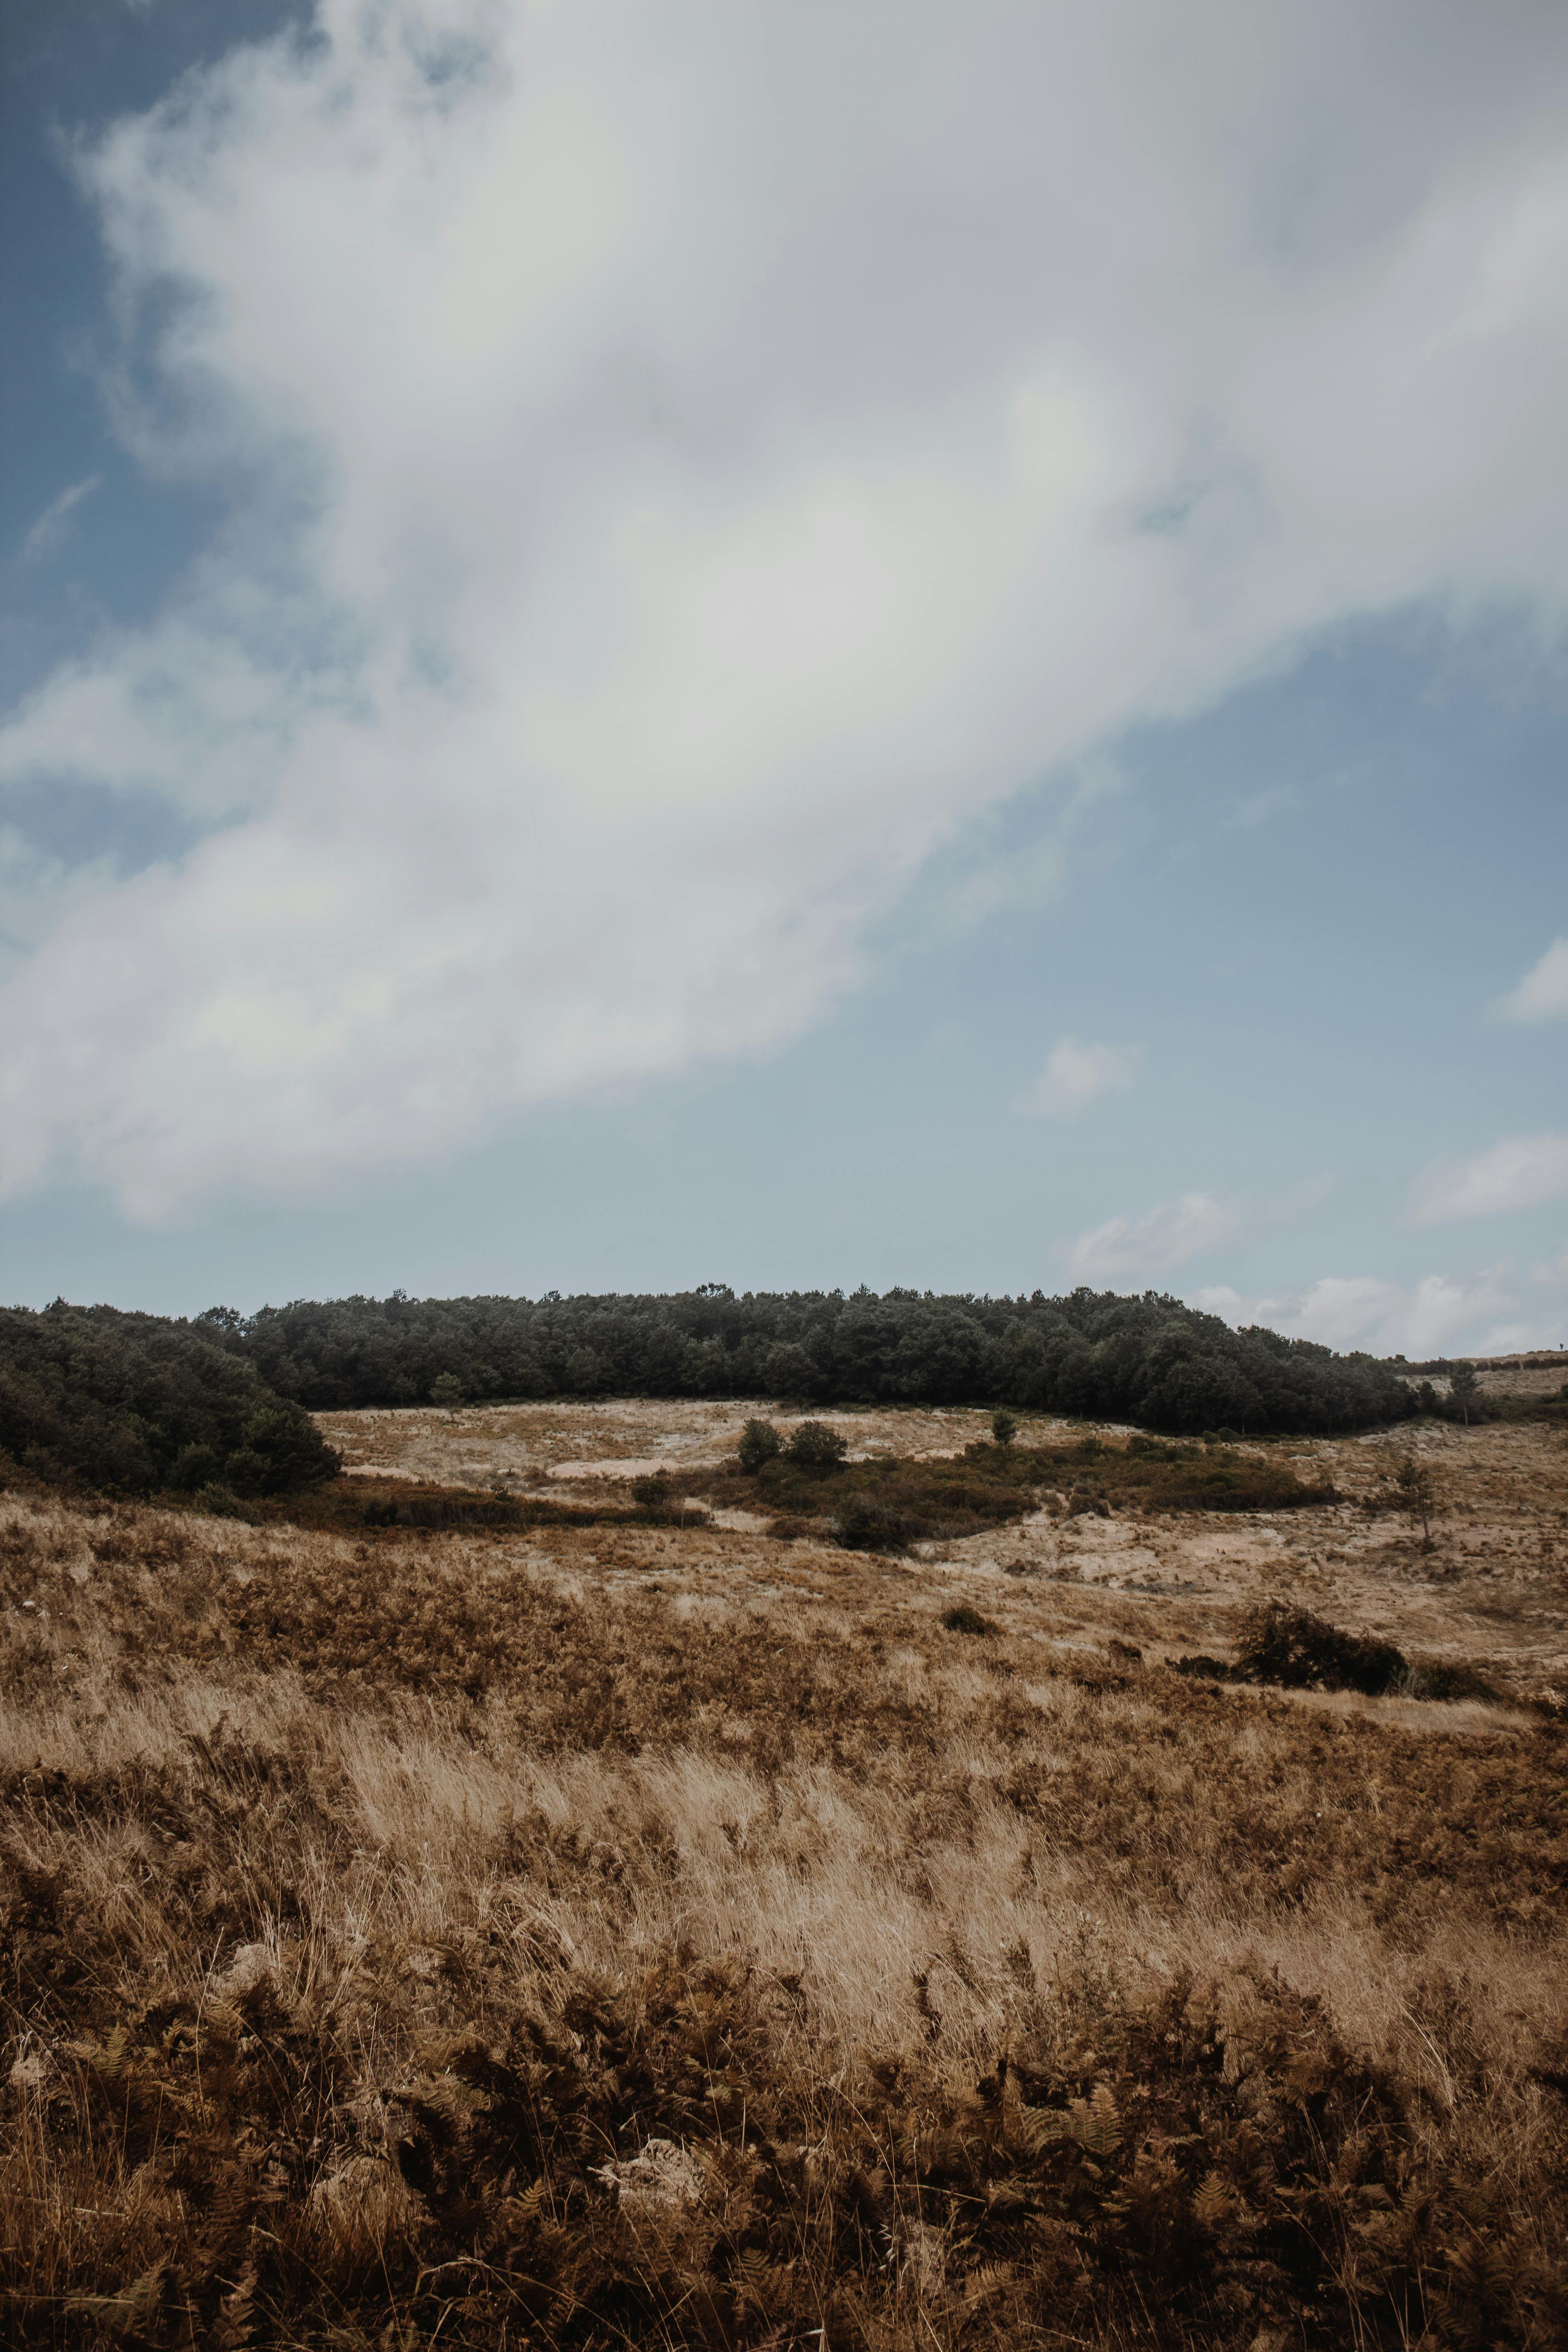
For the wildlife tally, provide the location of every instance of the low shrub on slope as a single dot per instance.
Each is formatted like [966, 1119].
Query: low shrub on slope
[885, 1503]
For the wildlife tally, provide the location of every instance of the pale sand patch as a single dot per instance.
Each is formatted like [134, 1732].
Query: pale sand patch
[627, 1437]
[1493, 1592]
[632, 1466]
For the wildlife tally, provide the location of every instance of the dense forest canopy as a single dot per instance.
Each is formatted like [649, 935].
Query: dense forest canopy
[1149, 1359]
[133, 1404]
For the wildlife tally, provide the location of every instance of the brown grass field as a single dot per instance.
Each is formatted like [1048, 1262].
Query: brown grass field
[619, 1934]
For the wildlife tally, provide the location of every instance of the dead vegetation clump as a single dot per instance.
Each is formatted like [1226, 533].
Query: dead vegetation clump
[356, 1502]
[1292, 1648]
[405, 1942]
[1295, 1650]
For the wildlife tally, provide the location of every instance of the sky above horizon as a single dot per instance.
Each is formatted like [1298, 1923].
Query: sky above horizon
[793, 646]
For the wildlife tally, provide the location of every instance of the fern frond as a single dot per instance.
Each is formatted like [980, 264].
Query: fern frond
[1212, 2201]
[1094, 2123]
[236, 2322]
[112, 2062]
[990, 2279]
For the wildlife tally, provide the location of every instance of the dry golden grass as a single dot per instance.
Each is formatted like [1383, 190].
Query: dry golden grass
[615, 1437]
[1493, 1590]
[624, 1936]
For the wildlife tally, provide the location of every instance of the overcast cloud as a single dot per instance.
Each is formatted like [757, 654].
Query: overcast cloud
[687, 463]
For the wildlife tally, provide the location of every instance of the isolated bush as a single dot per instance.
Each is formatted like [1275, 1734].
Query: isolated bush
[1004, 1425]
[446, 1391]
[1287, 1645]
[760, 1442]
[1416, 1485]
[962, 1618]
[651, 1491]
[818, 1445]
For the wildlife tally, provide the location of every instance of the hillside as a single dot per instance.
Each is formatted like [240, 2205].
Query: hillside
[606, 1931]
[1147, 1359]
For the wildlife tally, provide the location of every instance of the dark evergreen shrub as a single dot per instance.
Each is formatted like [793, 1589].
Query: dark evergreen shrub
[818, 1445]
[760, 1442]
[132, 1404]
[1289, 1646]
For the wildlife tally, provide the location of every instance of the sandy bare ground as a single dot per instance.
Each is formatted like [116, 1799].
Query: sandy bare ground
[610, 1437]
[1493, 1591]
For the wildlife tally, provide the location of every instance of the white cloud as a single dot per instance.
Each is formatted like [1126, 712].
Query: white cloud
[1367, 1311]
[1542, 993]
[1165, 1238]
[1074, 1074]
[1517, 1339]
[52, 524]
[1168, 1237]
[1514, 1174]
[700, 470]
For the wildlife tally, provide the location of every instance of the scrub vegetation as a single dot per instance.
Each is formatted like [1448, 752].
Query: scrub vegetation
[137, 1404]
[585, 1931]
[886, 1504]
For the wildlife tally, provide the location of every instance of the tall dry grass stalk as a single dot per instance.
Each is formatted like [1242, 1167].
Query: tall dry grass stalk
[409, 1942]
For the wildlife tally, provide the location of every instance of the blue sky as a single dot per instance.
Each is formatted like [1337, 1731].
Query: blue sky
[639, 652]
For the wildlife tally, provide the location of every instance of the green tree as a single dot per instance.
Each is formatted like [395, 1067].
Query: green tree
[1004, 1425]
[760, 1442]
[1464, 1389]
[289, 1447]
[132, 1403]
[1416, 1483]
[818, 1445]
[446, 1391]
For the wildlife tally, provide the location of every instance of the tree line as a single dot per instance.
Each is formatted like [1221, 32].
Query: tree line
[1151, 1360]
[136, 1404]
